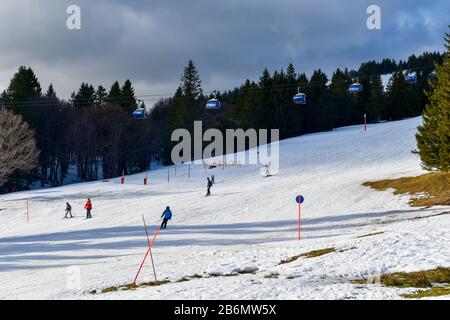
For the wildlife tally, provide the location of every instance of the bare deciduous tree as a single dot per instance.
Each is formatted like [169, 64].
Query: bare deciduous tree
[17, 145]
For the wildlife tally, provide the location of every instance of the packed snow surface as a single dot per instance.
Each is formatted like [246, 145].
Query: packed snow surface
[245, 228]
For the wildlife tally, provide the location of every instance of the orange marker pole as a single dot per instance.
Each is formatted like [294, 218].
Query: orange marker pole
[151, 255]
[299, 219]
[146, 254]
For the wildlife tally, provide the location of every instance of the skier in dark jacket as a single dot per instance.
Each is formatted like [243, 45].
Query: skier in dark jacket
[68, 210]
[268, 174]
[208, 186]
[166, 215]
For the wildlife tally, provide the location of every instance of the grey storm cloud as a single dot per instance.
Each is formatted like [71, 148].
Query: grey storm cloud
[151, 41]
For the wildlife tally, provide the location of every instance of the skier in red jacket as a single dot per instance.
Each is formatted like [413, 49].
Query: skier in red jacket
[88, 208]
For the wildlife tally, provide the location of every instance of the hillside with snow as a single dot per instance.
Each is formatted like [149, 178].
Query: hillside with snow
[235, 239]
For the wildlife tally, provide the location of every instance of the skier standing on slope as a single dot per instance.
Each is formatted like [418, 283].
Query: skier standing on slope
[166, 215]
[208, 186]
[88, 207]
[268, 174]
[68, 210]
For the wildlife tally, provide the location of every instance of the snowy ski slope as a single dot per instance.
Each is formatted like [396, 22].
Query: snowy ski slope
[248, 222]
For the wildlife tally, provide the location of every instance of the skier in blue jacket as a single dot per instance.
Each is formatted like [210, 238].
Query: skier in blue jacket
[166, 215]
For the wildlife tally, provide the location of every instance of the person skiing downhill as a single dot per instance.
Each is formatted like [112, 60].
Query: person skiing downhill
[88, 207]
[166, 215]
[68, 210]
[208, 186]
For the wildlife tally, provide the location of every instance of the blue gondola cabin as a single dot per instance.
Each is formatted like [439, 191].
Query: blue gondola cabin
[355, 87]
[139, 114]
[213, 104]
[299, 98]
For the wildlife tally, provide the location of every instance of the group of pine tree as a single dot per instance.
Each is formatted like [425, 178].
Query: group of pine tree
[93, 135]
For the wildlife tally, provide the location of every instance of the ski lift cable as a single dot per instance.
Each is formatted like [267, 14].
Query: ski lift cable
[159, 96]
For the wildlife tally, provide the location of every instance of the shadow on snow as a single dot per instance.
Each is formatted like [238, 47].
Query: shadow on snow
[17, 248]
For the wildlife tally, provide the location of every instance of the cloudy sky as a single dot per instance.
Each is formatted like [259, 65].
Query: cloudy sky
[151, 41]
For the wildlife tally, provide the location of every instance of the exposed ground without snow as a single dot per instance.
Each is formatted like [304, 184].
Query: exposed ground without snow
[249, 222]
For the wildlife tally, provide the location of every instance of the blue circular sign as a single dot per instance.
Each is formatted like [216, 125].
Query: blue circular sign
[300, 199]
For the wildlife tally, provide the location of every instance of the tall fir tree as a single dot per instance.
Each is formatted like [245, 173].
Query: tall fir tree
[100, 96]
[320, 113]
[340, 97]
[375, 105]
[51, 93]
[23, 94]
[115, 93]
[293, 113]
[85, 97]
[128, 101]
[264, 101]
[176, 118]
[190, 81]
[244, 110]
[192, 99]
[433, 137]
[23, 87]
[397, 100]
[187, 105]
[281, 104]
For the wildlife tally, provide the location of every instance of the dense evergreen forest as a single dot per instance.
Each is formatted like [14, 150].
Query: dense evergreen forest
[95, 134]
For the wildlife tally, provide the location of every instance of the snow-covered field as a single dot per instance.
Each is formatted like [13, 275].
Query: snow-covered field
[248, 222]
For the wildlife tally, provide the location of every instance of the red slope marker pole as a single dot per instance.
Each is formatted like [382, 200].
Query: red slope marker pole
[299, 218]
[151, 255]
[146, 254]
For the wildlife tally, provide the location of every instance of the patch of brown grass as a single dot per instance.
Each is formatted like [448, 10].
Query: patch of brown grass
[132, 286]
[310, 254]
[110, 289]
[433, 292]
[419, 279]
[427, 190]
[370, 234]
